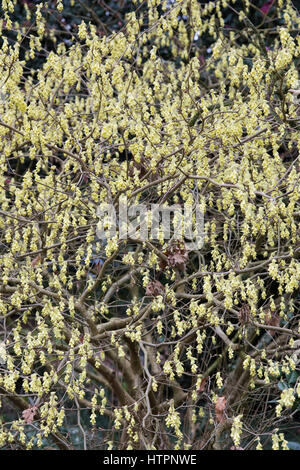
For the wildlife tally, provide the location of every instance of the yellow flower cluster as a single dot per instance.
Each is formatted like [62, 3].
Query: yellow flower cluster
[146, 113]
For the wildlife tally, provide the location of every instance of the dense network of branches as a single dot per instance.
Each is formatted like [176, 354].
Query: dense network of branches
[142, 344]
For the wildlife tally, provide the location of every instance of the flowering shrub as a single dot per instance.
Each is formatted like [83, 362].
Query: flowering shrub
[124, 343]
